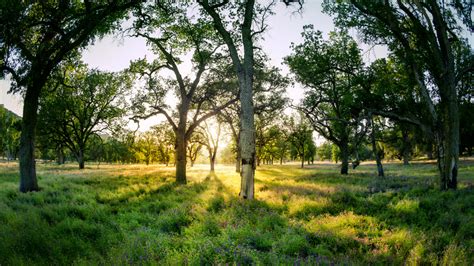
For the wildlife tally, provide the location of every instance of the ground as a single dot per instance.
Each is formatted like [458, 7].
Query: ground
[135, 214]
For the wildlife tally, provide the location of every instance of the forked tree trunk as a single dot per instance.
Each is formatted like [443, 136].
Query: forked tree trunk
[212, 162]
[28, 181]
[344, 147]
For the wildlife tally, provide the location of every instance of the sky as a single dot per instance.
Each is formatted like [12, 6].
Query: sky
[114, 52]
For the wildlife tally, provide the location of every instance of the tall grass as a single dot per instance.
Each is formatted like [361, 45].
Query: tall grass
[135, 214]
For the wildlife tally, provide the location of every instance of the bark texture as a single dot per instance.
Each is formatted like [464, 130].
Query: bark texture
[181, 145]
[28, 180]
[344, 147]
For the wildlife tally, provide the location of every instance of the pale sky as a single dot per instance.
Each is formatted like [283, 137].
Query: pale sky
[114, 53]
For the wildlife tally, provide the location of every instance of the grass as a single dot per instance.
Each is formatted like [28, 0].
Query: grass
[135, 214]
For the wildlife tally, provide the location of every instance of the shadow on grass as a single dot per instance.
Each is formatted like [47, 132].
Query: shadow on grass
[142, 217]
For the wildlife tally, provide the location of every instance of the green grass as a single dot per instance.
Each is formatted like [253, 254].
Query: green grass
[135, 214]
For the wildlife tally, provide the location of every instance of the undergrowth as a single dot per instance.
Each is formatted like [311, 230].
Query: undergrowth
[135, 214]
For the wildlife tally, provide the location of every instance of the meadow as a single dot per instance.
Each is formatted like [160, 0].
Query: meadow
[135, 214]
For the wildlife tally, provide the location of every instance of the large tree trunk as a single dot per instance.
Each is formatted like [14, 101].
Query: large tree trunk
[247, 135]
[28, 181]
[344, 147]
[448, 144]
[181, 156]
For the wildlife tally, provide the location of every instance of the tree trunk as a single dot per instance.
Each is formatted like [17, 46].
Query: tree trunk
[181, 156]
[344, 147]
[60, 155]
[247, 134]
[406, 147]
[80, 158]
[237, 162]
[376, 152]
[28, 181]
[238, 157]
[213, 162]
[448, 147]
[302, 158]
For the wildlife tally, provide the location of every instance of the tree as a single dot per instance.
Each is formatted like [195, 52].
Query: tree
[119, 148]
[211, 132]
[96, 151]
[330, 72]
[269, 100]
[423, 34]
[85, 103]
[10, 129]
[166, 140]
[179, 35]
[194, 146]
[281, 143]
[35, 37]
[300, 137]
[244, 68]
[147, 144]
[324, 151]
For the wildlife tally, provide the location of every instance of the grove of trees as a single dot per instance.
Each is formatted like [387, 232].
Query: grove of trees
[416, 102]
